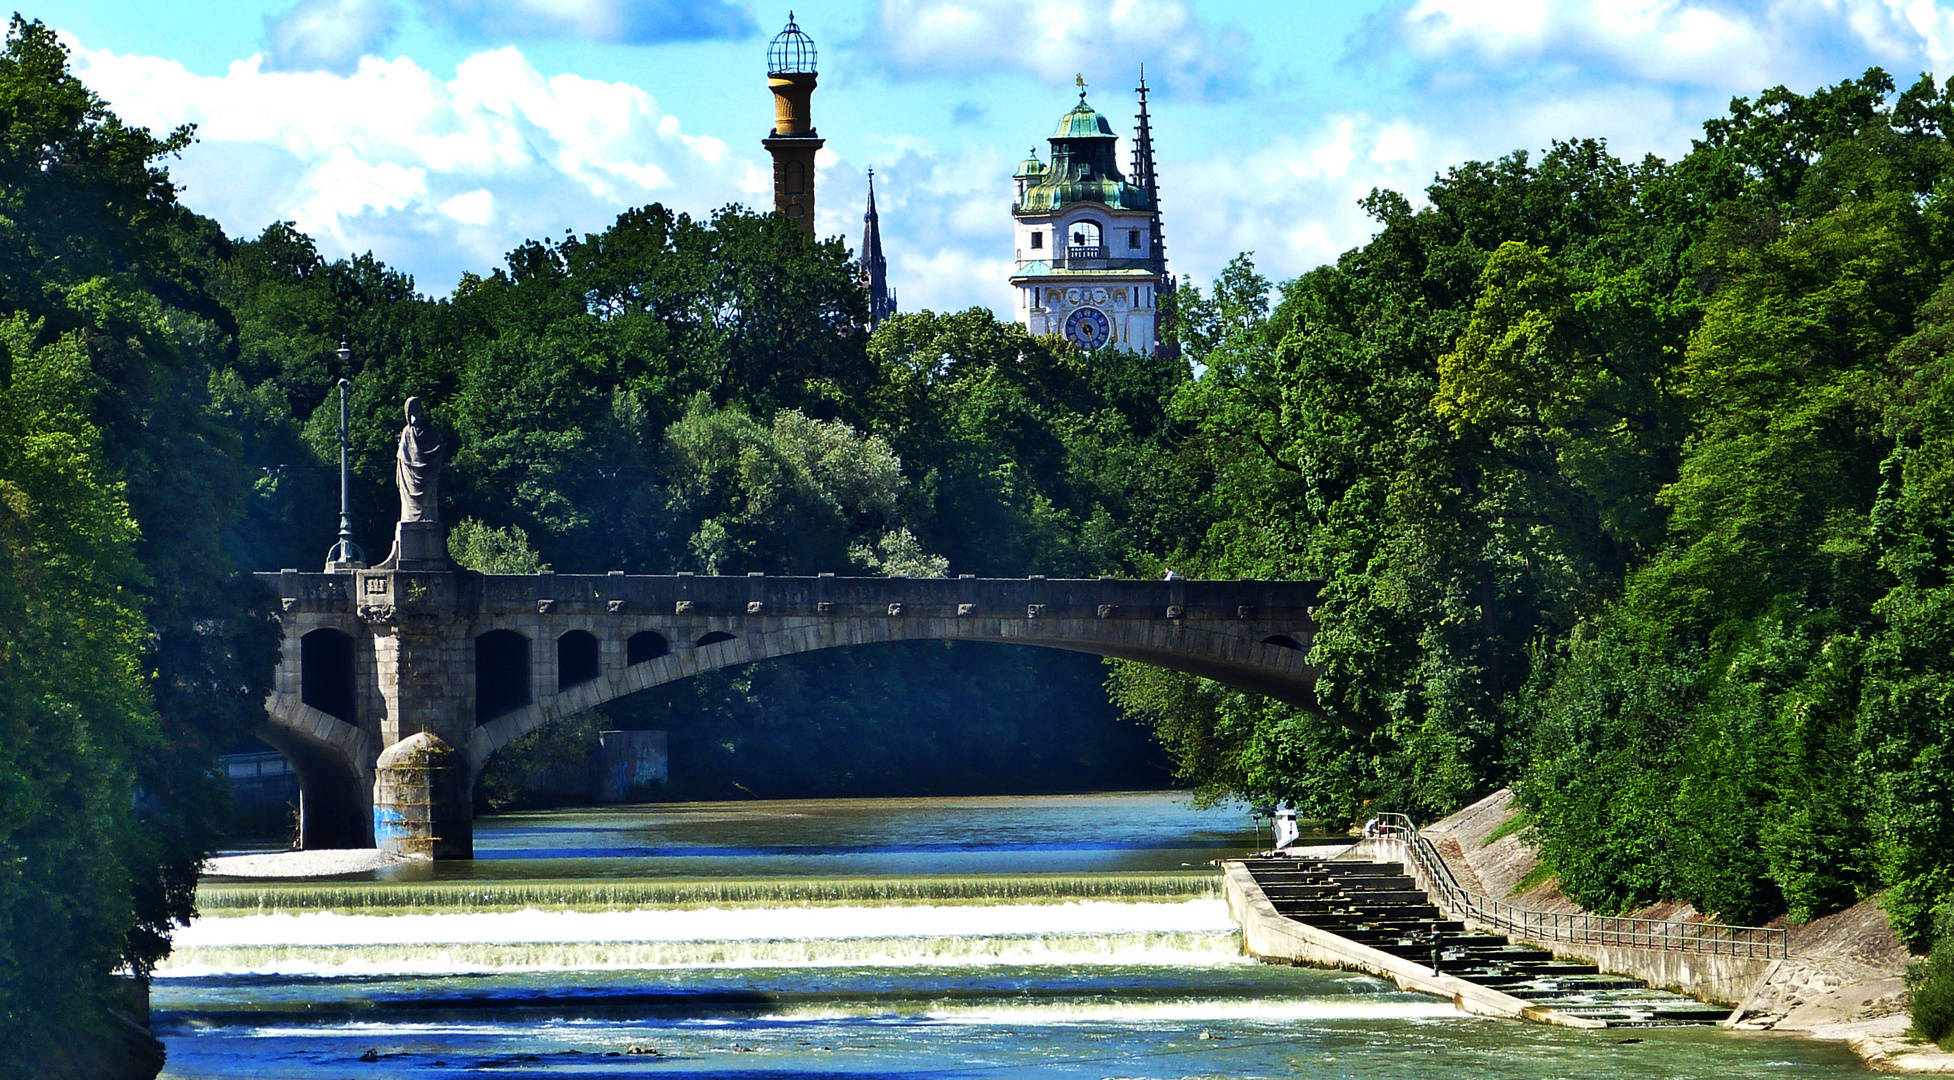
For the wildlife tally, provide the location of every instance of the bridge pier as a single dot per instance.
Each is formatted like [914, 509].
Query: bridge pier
[423, 800]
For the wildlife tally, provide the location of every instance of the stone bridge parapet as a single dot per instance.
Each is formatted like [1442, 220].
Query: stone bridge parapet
[374, 657]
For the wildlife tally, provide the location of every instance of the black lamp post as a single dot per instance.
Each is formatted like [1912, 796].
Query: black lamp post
[345, 555]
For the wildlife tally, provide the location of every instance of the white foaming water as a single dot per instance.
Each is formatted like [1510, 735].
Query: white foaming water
[1205, 1010]
[709, 924]
[1274, 1013]
[1169, 949]
[1187, 933]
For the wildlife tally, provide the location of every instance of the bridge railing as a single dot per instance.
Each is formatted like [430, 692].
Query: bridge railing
[688, 595]
[1432, 874]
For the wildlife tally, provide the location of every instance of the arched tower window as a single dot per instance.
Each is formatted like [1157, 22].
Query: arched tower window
[796, 178]
[1086, 235]
[501, 674]
[576, 659]
[326, 673]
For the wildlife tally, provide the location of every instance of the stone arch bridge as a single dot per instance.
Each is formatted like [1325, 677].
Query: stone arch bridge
[396, 686]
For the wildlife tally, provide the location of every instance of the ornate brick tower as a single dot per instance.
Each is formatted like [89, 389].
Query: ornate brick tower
[791, 77]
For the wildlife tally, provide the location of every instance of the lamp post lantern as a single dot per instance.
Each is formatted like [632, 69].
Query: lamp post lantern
[345, 554]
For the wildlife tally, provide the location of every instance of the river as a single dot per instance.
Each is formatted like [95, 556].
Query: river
[1057, 936]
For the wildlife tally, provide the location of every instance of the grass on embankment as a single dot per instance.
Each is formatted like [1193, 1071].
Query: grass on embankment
[429, 897]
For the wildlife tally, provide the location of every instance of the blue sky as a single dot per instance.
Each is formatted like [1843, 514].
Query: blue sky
[440, 133]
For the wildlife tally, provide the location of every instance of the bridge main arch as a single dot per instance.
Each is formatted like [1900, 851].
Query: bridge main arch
[561, 644]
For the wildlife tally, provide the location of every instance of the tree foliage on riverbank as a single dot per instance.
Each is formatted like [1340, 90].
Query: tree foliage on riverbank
[1629, 483]
[131, 650]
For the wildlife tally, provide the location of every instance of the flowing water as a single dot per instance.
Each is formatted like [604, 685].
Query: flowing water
[1064, 936]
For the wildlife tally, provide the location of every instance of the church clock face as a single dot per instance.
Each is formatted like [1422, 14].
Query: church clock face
[1088, 327]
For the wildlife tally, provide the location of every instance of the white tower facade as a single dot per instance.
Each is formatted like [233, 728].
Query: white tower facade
[1090, 262]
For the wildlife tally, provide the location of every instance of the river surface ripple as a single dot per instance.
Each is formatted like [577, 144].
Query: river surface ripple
[1097, 986]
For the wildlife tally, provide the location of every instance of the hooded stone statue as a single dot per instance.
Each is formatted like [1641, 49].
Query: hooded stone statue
[417, 466]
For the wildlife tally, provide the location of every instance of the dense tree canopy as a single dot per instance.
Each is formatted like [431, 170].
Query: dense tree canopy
[131, 649]
[1626, 484]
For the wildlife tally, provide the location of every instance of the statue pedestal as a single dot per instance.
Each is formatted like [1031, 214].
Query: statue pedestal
[419, 545]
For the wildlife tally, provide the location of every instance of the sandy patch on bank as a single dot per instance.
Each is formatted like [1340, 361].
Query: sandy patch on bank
[307, 864]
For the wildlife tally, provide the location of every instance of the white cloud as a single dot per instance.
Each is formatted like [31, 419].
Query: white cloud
[1935, 25]
[946, 223]
[1293, 202]
[1696, 43]
[946, 219]
[472, 208]
[1055, 39]
[637, 22]
[328, 35]
[434, 176]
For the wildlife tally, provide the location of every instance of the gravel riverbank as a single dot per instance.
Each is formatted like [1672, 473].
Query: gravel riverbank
[307, 864]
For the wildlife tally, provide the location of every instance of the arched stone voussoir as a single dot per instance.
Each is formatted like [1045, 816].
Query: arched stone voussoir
[291, 716]
[1229, 653]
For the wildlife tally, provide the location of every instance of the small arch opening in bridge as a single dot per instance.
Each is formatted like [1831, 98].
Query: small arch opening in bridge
[1283, 641]
[646, 645]
[713, 638]
[501, 674]
[576, 659]
[326, 673]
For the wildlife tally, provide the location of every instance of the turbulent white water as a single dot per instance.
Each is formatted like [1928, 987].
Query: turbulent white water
[895, 920]
[1284, 1011]
[1194, 932]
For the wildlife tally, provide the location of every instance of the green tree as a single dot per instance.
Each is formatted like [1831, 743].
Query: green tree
[112, 341]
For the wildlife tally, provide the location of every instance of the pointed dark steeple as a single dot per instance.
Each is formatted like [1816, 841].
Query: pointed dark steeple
[1145, 176]
[875, 268]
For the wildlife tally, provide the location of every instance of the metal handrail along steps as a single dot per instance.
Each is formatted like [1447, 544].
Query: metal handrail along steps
[1432, 874]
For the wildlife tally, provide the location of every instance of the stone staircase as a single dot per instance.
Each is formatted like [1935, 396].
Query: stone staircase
[1378, 905]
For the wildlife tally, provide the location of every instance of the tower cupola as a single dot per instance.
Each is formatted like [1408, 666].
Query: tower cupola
[1029, 172]
[793, 142]
[1085, 165]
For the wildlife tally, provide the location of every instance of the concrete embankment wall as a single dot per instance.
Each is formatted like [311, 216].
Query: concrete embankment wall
[1721, 980]
[1269, 936]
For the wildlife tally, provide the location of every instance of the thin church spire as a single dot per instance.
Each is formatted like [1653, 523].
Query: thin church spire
[1149, 181]
[875, 268]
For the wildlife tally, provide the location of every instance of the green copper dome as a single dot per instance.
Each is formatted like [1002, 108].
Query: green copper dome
[1083, 122]
[1032, 167]
[1084, 167]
